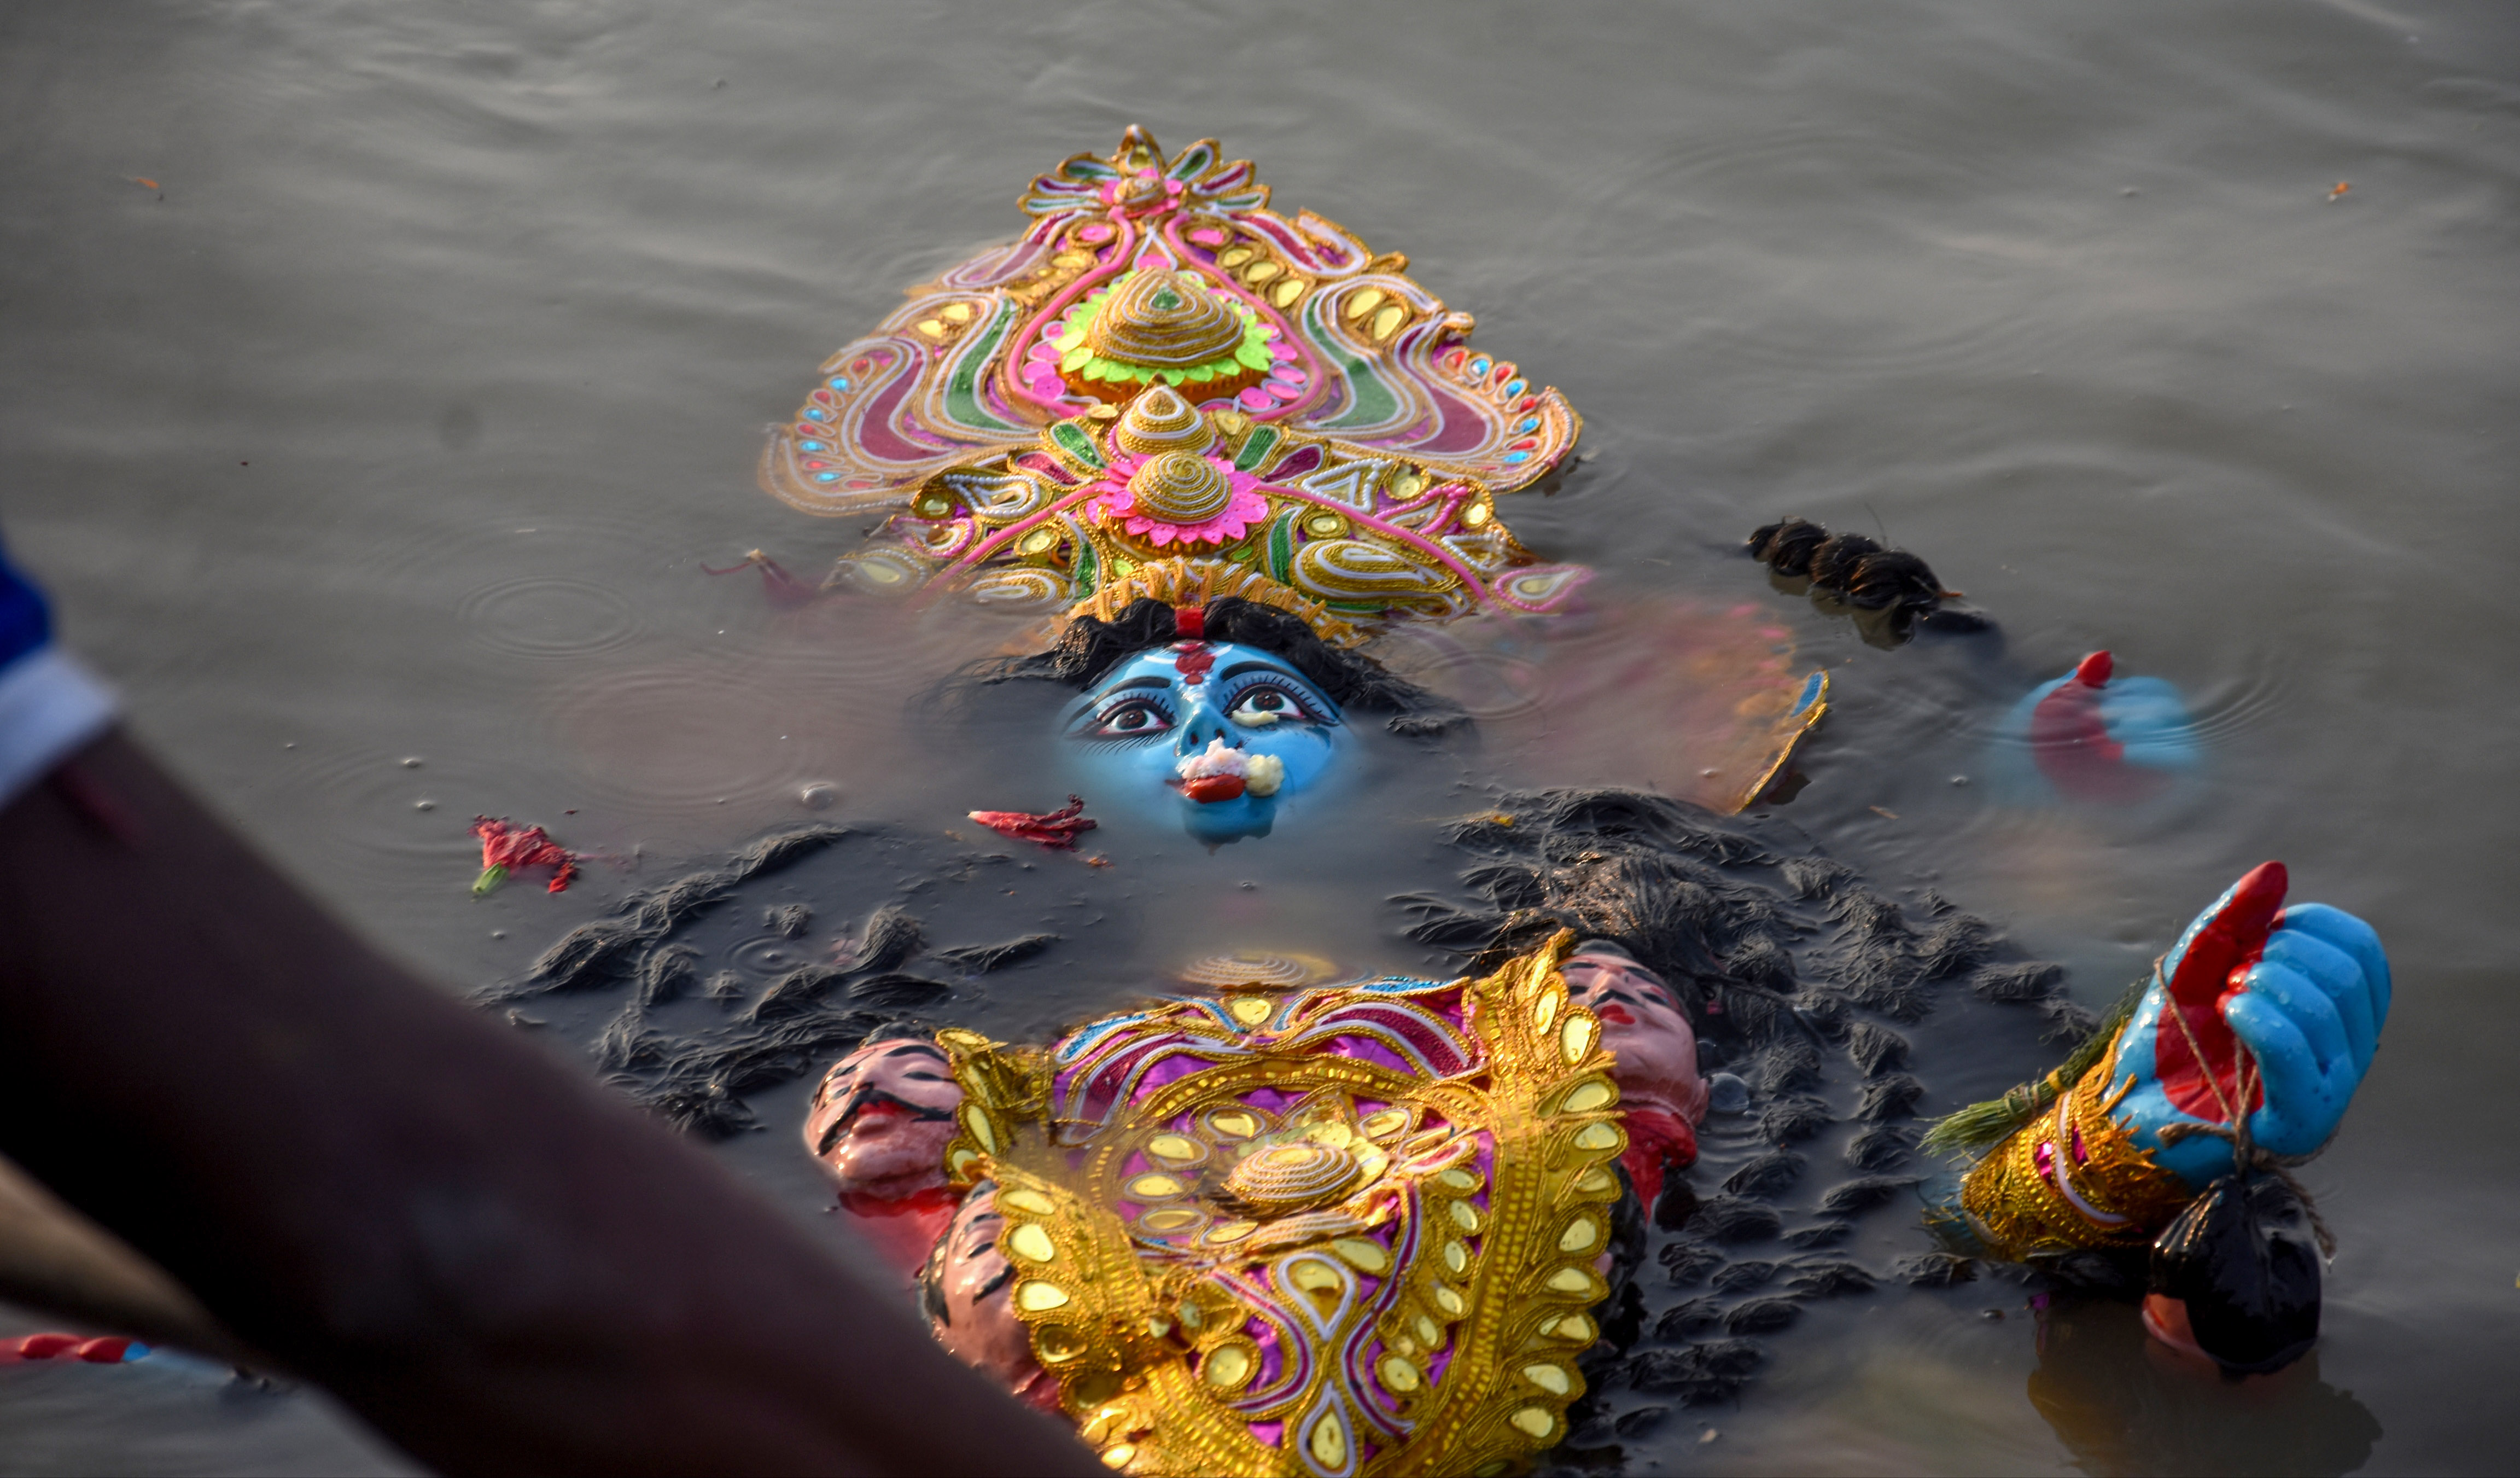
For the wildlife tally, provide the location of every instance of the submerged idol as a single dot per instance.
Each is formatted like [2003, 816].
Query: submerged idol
[1389, 1225]
[1296, 1221]
[1167, 390]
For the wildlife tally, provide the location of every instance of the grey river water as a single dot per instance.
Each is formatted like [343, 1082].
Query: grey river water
[376, 378]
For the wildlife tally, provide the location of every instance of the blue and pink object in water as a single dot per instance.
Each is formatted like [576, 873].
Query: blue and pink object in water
[2091, 738]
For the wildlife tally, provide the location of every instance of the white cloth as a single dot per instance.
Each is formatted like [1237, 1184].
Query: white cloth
[50, 705]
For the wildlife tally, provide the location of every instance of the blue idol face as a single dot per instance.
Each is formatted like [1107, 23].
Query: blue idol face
[1213, 735]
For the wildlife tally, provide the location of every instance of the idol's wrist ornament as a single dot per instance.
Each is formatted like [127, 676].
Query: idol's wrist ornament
[2072, 1178]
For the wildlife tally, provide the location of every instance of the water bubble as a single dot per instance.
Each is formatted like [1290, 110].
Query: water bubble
[771, 954]
[411, 761]
[821, 795]
[1726, 1093]
[1960, 780]
[423, 805]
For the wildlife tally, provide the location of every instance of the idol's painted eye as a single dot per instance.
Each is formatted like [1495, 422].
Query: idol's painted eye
[1136, 718]
[1265, 703]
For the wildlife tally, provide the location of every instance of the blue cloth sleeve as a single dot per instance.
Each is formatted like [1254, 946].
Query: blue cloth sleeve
[50, 705]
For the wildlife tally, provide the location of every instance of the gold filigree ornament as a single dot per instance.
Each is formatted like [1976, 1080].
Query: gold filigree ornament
[1347, 536]
[2072, 1179]
[1299, 1261]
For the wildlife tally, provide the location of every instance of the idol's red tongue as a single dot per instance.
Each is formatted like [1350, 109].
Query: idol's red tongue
[2213, 968]
[1207, 790]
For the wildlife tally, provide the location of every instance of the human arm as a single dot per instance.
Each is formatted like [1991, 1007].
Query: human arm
[499, 1265]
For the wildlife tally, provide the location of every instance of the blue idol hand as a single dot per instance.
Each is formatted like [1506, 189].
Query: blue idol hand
[2283, 1006]
[2309, 1010]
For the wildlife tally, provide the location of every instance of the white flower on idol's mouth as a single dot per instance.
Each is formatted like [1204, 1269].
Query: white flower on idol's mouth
[1260, 774]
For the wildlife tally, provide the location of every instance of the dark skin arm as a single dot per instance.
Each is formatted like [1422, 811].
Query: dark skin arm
[498, 1265]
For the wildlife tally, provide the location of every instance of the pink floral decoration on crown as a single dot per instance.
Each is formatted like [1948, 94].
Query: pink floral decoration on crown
[1247, 506]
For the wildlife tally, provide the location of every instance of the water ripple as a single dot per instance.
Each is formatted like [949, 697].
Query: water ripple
[548, 616]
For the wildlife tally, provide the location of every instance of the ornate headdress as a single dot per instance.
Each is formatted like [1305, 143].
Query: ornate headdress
[1138, 270]
[1163, 368]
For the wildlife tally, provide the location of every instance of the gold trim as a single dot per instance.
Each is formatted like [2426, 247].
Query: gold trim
[1788, 735]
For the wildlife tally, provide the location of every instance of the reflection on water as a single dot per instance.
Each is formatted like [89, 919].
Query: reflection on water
[2124, 1403]
[402, 421]
[1690, 699]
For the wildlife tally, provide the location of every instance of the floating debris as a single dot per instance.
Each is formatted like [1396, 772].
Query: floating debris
[506, 847]
[783, 589]
[1055, 829]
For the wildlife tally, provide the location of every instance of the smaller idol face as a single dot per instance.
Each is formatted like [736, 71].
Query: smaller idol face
[883, 1117]
[965, 1293]
[1649, 1035]
[1214, 735]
